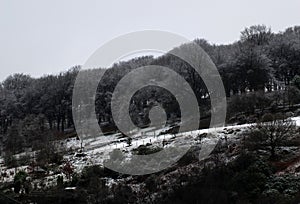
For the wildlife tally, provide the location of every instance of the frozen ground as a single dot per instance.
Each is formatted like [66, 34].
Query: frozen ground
[97, 149]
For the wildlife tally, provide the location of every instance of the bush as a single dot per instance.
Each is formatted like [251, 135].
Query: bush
[293, 95]
[25, 160]
[144, 150]
[19, 180]
[49, 154]
[267, 117]
[240, 181]
[116, 155]
[280, 116]
[99, 172]
[151, 183]
[191, 156]
[242, 119]
[10, 160]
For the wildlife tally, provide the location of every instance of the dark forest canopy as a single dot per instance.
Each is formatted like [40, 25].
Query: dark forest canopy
[260, 61]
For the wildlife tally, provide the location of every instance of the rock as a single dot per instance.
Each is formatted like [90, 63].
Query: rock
[231, 131]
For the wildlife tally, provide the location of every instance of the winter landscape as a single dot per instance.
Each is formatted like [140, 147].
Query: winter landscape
[256, 155]
[106, 103]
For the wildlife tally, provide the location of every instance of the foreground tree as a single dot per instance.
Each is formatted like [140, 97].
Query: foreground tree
[270, 135]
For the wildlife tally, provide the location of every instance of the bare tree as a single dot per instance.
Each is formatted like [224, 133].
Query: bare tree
[270, 135]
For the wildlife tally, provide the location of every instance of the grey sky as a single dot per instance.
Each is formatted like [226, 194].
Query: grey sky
[41, 37]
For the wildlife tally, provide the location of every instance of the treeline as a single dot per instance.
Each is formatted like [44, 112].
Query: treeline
[260, 61]
[30, 108]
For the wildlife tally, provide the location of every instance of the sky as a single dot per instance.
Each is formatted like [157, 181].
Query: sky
[40, 37]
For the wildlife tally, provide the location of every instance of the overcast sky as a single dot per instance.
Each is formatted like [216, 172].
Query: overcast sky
[42, 37]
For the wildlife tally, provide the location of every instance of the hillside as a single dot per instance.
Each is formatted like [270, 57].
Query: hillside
[254, 158]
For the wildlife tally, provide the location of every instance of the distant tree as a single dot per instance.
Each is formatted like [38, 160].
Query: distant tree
[253, 69]
[284, 52]
[256, 35]
[296, 81]
[32, 128]
[230, 77]
[17, 83]
[293, 95]
[262, 100]
[14, 140]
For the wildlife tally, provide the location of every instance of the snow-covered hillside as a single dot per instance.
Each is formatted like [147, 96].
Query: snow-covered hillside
[96, 150]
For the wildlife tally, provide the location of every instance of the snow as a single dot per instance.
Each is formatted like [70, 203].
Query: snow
[297, 120]
[97, 149]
